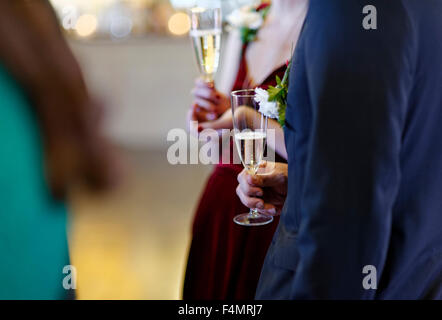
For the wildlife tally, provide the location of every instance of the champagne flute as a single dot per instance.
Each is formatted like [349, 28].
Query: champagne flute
[250, 133]
[205, 32]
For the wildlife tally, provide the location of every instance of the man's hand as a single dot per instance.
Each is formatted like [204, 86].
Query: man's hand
[265, 191]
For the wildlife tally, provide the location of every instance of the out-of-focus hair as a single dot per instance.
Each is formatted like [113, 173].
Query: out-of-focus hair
[33, 49]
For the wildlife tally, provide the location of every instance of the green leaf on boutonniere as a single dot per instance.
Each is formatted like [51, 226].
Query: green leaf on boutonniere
[281, 114]
[280, 93]
[276, 93]
[278, 81]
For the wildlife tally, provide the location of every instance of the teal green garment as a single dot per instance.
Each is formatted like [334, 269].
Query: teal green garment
[33, 237]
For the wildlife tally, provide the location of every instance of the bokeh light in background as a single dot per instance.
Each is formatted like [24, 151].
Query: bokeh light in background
[115, 19]
[179, 23]
[86, 25]
[119, 19]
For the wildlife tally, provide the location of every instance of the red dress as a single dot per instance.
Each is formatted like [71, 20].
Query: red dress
[225, 259]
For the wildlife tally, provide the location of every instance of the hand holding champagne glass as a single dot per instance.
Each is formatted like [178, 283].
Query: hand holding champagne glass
[250, 132]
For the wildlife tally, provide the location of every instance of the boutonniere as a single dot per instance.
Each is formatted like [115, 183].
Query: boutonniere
[273, 101]
[248, 20]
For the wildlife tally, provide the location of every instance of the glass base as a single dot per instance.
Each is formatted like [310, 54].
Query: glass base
[250, 220]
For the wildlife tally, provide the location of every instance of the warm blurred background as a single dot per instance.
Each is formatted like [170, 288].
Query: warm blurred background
[136, 56]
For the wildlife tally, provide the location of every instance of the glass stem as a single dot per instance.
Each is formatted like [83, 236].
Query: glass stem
[208, 79]
[253, 212]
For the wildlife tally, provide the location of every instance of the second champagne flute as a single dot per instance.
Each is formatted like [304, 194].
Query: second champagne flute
[250, 132]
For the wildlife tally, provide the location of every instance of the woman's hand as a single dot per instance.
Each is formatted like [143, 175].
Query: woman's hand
[208, 105]
[266, 190]
[208, 99]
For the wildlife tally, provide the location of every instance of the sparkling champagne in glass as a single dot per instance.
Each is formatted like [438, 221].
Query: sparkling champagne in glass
[250, 145]
[205, 32]
[250, 133]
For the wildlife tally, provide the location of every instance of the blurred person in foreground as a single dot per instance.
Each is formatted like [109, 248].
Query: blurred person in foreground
[50, 141]
[363, 210]
[225, 259]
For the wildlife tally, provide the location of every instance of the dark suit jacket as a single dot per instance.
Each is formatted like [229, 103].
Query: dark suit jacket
[364, 140]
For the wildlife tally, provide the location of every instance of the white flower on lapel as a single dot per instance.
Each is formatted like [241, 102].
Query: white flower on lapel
[245, 17]
[266, 107]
